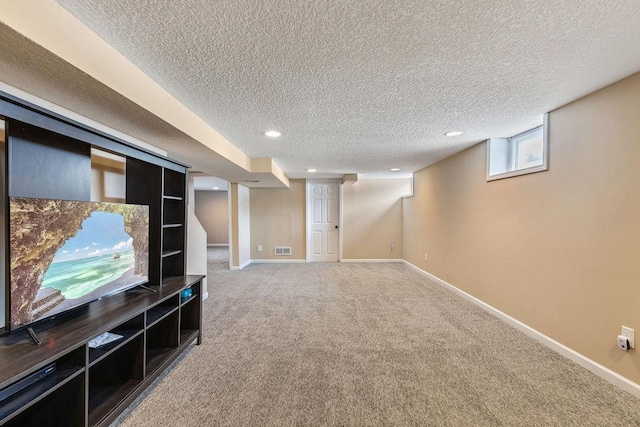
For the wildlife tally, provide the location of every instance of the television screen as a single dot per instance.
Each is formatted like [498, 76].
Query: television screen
[66, 253]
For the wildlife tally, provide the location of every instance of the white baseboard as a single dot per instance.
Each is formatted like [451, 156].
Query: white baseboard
[233, 267]
[348, 261]
[277, 261]
[218, 245]
[593, 366]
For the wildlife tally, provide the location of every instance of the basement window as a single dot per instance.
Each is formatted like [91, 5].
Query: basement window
[527, 152]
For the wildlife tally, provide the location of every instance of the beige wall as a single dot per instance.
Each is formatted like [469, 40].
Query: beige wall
[108, 177]
[372, 218]
[557, 250]
[212, 210]
[107, 184]
[278, 219]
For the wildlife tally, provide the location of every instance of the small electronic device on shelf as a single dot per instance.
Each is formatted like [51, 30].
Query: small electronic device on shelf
[186, 294]
[27, 381]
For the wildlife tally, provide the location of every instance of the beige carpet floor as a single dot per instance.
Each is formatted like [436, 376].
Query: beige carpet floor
[366, 345]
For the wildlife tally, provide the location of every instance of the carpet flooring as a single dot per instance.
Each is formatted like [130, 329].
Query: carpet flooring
[366, 345]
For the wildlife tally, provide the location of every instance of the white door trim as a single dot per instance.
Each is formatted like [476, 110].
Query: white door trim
[309, 210]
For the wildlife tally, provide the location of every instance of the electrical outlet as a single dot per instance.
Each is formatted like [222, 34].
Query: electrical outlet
[629, 334]
[259, 248]
[391, 247]
[425, 257]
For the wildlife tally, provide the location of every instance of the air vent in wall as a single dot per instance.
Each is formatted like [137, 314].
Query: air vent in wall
[283, 250]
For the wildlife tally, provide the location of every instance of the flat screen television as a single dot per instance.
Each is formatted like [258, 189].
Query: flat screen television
[65, 253]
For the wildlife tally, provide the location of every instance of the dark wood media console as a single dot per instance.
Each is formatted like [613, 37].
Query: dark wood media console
[45, 155]
[90, 387]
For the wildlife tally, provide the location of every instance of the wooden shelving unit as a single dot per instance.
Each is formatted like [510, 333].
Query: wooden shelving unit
[114, 377]
[92, 386]
[164, 190]
[20, 408]
[174, 192]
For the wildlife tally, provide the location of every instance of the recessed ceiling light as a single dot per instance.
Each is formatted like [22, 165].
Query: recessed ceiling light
[311, 170]
[216, 188]
[272, 133]
[454, 133]
[395, 170]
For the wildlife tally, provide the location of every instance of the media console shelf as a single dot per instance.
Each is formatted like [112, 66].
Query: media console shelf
[91, 386]
[47, 156]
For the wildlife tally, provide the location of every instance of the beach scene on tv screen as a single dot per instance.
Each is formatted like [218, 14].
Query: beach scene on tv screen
[100, 254]
[97, 260]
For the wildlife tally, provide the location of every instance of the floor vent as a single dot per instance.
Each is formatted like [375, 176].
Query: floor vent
[283, 250]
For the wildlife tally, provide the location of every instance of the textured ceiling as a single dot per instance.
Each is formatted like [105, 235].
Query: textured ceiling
[33, 69]
[363, 86]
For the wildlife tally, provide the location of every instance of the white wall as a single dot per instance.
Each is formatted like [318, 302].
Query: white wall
[239, 232]
[244, 223]
[197, 249]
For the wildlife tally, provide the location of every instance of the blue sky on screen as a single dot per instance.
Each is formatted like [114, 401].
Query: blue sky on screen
[102, 233]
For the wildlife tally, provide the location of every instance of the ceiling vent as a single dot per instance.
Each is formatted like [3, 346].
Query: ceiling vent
[283, 250]
[251, 181]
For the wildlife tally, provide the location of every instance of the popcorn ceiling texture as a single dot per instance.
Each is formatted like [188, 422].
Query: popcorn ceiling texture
[363, 86]
[34, 70]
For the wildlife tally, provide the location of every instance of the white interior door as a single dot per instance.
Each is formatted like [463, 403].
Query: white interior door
[323, 208]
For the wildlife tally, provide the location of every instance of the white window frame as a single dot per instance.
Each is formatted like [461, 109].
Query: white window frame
[513, 146]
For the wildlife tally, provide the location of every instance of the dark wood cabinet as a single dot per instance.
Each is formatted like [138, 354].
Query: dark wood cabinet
[59, 397]
[48, 156]
[173, 223]
[91, 386]
[144, 187]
